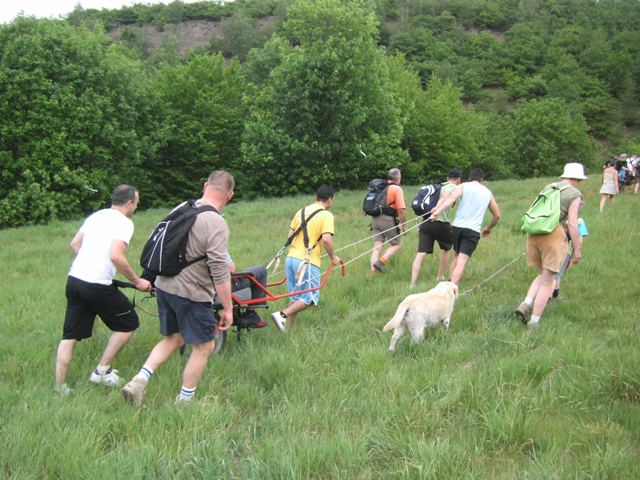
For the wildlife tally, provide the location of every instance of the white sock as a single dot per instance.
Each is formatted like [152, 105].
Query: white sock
[528, 301]
[103, 369]
[534, 320]
[145, 373]
[187, 393]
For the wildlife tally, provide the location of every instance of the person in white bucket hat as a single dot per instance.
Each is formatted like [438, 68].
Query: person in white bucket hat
[547, 252]
[574, 171]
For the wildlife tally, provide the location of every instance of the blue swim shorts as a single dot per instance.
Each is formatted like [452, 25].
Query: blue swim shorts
[311, 280]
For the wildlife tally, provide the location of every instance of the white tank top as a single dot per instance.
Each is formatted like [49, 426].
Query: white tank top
[473, 205]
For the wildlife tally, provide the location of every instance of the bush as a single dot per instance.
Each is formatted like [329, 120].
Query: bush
[326, 99]
[542, 135]
[74, 119]
[200, 104]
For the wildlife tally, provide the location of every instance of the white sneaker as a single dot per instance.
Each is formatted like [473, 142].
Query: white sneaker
[532, 325]
[110, 379]
[441, 279]
[183, 400]
[63, 390]
[279, 320]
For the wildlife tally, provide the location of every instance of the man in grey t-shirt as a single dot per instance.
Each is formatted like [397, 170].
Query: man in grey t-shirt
[475, 199]
[185, 300]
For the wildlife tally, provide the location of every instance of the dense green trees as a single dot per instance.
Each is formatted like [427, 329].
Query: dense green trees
[329, 96]
[200, 119]
[541, 135]
[73, 120]
[324, 90]
[443, 134]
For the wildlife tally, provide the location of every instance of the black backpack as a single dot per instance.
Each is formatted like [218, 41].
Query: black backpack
[426, 198]
[165, 251]
[375, 201]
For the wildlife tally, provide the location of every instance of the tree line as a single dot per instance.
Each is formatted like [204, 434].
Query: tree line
[336, 92]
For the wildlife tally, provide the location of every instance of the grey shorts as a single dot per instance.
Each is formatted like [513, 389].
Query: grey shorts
[386, 222]
[195, 321]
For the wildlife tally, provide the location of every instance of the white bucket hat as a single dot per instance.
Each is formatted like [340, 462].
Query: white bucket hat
[574, 170]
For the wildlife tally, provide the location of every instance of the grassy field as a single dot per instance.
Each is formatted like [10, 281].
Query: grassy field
[487, 399]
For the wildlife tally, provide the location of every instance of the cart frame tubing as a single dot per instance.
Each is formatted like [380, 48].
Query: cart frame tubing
[270, 296]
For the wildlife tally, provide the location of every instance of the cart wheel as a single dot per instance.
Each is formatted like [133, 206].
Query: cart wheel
[221, 341]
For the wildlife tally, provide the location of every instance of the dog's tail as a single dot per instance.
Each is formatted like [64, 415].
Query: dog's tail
[397, 318]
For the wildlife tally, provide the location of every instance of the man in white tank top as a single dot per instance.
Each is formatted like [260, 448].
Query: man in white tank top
[475, 199]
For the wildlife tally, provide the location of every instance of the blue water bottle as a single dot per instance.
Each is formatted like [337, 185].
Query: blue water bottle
[582, 228]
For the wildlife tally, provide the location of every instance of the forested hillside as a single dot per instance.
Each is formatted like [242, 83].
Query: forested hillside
[287, 94]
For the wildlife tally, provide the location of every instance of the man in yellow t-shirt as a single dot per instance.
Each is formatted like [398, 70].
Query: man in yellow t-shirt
[302, 266]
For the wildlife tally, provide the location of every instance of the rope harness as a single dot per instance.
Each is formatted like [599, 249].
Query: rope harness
[500, 270]
[418, 221]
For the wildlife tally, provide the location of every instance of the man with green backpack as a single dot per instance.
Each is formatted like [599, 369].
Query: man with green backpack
[549, 222]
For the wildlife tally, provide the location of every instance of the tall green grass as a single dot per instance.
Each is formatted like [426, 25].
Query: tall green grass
[487, 399]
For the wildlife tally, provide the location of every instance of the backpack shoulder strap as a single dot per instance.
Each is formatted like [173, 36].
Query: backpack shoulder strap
[305, 233]
[203, 208]
[302, 228]
[198, 211]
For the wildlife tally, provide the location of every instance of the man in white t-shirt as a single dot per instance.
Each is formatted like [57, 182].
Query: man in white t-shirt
[475, 199]
[100, 247]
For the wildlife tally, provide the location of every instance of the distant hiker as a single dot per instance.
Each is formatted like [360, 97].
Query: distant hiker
[437, 231]
[185, 299]
[99, 247]
[383, 225]
[547, 252]
[609, 184]
[635, 168]
[311, 230]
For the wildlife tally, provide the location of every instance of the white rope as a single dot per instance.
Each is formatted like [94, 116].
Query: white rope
[500, 270]
[363, 240]
[367, 252]
[373, 235]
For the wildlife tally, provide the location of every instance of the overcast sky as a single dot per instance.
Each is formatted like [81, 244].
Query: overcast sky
[9, 9]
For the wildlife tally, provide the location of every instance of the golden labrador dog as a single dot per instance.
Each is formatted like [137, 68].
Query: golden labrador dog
[422, 310]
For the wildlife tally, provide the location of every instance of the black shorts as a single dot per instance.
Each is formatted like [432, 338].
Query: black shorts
[195, 321]
[431, 232]
[465, 240]
[86, 300]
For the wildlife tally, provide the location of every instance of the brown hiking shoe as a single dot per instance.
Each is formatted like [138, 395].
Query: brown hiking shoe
[133, 391]
[524, 312]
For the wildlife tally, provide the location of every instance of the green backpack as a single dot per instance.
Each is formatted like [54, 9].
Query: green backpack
[543, 215]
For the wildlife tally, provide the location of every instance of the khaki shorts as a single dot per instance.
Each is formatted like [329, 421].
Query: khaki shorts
[386, 224]
[547, 251]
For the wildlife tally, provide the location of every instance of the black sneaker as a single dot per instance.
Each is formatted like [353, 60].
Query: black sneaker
[379, 266]
[250, 319]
